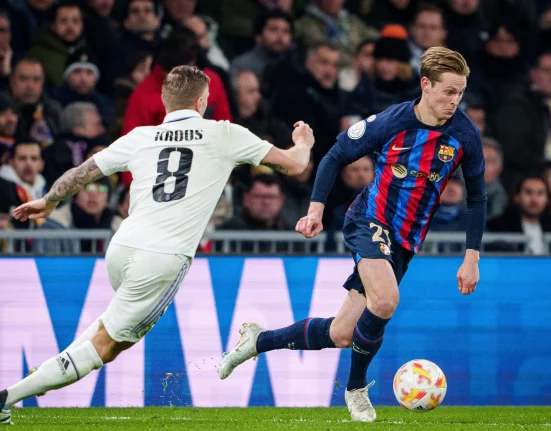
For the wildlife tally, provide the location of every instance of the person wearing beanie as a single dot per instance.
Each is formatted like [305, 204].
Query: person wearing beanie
[80, 79]
[392, 79]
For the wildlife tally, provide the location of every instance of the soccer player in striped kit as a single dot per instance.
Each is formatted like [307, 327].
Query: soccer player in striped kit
[416, 147]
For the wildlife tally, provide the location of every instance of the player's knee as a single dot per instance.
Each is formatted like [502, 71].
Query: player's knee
[107, 348]
[341, 337]
[385, 305]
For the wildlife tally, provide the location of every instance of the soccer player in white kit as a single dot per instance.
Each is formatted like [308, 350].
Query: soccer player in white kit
[179, 171]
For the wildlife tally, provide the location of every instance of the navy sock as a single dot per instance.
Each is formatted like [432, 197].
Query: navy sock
[367, 338]
[307, 334]
[3, 397]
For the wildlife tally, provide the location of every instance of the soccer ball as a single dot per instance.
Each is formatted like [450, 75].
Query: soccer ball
[420, 385]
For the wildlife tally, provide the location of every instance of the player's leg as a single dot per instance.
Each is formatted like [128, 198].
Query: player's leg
[307, 334]
[381, 290]
[152, 281]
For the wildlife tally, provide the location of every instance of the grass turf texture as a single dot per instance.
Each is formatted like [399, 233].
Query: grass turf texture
[270, 418]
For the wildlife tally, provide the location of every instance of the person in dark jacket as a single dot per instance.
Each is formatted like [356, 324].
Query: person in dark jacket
[528, 214]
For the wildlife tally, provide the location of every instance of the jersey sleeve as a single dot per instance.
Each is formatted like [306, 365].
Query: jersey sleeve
[243, 146]
[361, 139]
[473, 160]
[117, 156]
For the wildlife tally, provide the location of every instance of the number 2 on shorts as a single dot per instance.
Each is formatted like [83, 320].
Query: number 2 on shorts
[377, 235]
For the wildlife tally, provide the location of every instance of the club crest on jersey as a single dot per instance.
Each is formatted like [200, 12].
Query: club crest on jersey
[357, 130]
[446, 153]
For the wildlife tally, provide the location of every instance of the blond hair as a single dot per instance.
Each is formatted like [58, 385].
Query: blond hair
[182, 86]
[438, 60]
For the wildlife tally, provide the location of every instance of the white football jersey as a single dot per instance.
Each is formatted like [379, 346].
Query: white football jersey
[179, 171]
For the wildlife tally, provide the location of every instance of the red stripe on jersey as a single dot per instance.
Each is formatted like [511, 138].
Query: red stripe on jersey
[442, 187]
[387, 176]
[416, 194]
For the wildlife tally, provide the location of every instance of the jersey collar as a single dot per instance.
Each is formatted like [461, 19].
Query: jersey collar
[182, 114]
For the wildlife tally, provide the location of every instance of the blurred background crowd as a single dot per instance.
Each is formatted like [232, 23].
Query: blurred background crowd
[76, 75]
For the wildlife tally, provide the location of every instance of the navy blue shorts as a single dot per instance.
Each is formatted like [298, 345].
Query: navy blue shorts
[370, 239]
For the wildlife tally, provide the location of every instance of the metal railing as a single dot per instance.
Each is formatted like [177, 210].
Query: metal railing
[66, 242]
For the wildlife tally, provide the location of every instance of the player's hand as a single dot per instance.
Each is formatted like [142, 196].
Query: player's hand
[468, 276]
[303, 134]
[309, 226]
[34, 210]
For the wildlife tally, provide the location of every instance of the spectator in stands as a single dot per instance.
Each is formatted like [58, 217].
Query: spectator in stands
[428, 30]
[465, 27]
[497, 196]
[9, 199]
[123, 206]
[104, 39]
[451, 214]
[528, 214]
[6, 52]
[272, 34]
[138, 67]
[392, 12]
[501, 69]
[476, 110]
[176, 12]
[253, 114]
[207, 42]
[363, 63]
[102, 7]
[54, 43]
[9, 118]
[328, 20]
[81, 77]
[88, 210]
[314, 97]
[39, 113]
[81, 128]
[355, 177]
[521, 123]
[28, 16]
[393, 80]
[141, 27]
[297, 190]
[262, 207]
[145, 107]
[24, 167]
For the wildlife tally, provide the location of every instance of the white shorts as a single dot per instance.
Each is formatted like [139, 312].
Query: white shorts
[145, 284]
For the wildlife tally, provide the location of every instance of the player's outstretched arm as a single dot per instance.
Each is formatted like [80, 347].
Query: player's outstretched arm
[67, 185]
[294, 160]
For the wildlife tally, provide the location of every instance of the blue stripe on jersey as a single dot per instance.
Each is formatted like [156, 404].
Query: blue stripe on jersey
[393, 197]
[433, 193]
[380, 162]
[408, 182]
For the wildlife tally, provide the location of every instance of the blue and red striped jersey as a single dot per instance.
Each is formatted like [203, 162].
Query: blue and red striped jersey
[413, 163]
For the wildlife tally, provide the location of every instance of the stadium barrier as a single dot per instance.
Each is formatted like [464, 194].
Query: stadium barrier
[249, 242]
[494, 346]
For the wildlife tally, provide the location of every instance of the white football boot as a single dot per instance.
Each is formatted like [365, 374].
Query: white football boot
[5, 417]
[359, 406]
[5, 414]
[244, 350]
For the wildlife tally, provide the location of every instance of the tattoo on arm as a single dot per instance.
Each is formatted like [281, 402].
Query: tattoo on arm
[73, 180]
[277, 168]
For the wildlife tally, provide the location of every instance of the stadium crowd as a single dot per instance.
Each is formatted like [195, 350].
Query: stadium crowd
[76, 75]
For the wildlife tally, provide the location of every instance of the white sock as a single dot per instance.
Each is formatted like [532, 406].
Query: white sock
[57, 372]
[85, 336]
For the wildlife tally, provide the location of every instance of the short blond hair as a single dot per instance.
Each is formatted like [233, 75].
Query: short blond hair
[182, 86]
[438, 60]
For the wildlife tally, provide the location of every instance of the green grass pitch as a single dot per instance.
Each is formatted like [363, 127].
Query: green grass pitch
[271, 418]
